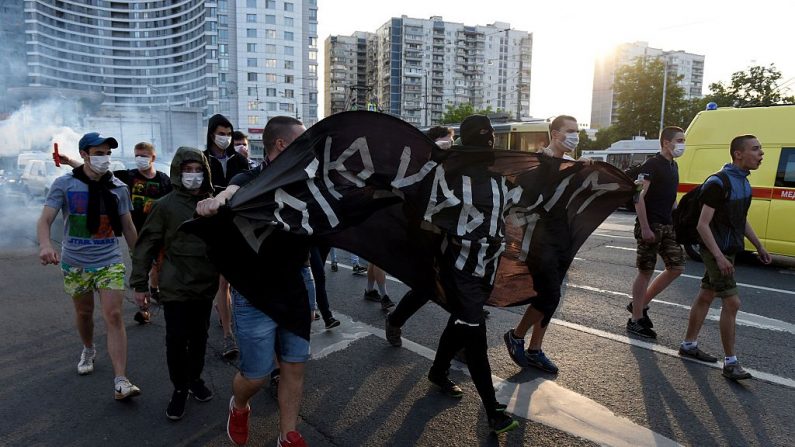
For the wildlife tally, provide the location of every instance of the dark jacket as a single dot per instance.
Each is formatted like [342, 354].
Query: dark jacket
[235, 163]
[186, 273]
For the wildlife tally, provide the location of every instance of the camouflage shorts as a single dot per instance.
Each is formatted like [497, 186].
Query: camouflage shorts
[723, 286]
[78, 280]
[664, 244]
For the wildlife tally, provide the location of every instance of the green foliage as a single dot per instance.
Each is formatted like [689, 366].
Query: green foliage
[638, 92]
[457, 114]
[757, 86]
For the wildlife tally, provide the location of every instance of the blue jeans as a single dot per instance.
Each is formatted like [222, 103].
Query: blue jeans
[257, 336]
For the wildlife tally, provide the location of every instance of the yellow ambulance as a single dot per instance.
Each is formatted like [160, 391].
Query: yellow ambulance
[772, 213]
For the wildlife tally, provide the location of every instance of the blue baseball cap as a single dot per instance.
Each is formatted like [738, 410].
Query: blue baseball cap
[92, 139]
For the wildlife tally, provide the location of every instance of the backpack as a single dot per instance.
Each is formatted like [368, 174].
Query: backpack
[687, 213]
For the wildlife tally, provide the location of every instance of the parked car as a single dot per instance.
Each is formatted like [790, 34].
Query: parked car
[38, 177]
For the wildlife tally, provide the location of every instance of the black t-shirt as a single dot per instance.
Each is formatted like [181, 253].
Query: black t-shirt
[143, 192]
[661, 195]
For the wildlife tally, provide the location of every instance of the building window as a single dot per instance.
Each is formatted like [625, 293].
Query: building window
[271, 107]
[251, 33]
[270, 63]
[288, 79]
[253, 119]
[270, 33]
[223, 19]
[288, 6]
[251, 18]
[312, 55]
[252, 91]
[312, 41]
[270, 4]
[252, 105]
[289, 93]
[313, 69]
[289, 65]
[270, 92]
[252, 77]
[288, 35]
[270, 77]
[288, 51]
[251, 62]
[223, 49]
[288, 21]
[251, 3]
[270, 19]
[251, 47]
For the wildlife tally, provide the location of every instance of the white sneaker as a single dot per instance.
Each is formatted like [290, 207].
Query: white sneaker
[86, 365]
[125, 389]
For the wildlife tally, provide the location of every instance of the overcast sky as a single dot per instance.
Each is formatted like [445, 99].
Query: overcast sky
[570, 35]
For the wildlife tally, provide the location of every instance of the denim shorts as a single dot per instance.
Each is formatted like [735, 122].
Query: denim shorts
[257, 337]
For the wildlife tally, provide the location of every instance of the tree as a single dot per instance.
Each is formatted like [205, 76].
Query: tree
[638, 92]
[456, 114]
[758, 86]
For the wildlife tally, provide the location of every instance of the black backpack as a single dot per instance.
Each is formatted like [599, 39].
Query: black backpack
[687, 213]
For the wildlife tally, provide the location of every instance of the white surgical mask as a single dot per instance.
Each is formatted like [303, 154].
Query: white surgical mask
[240, 148]
[223, 141]
[142, 162]
[444, 144]
[571, 141]
[100, 163]
[192, 180]
[679, 149]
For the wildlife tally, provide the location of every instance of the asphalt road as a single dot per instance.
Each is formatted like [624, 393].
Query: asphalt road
[612, 389]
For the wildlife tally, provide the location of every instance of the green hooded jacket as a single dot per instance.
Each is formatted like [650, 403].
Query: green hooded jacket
[186, 272]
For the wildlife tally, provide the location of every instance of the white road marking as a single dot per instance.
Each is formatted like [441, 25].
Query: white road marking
[621, 248]
[766, 377]
[539, 400]
[743, 318]
[612, 236]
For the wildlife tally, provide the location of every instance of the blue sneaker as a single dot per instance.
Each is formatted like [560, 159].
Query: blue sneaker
[541, 361]
[515, 348]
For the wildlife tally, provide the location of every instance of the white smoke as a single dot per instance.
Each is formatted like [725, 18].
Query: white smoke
[36, 126]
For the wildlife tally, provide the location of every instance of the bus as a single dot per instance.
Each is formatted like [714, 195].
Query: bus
[526, 136]
[626, 154]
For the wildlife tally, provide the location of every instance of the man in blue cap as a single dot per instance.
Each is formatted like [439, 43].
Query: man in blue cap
[96, 212]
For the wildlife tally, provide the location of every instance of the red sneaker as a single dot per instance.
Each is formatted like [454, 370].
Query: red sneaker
[294, 439]
[237, 423]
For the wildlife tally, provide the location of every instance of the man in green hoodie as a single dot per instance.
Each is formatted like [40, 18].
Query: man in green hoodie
[188, 280]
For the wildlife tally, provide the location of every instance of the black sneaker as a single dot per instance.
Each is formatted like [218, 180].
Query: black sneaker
[176, 406]
[636, 328]
[200, 391]
[500, 408]
[645, 321]
[334, 267]
[501, 423]
[359, 270]
[697, 354]
[386, 303]
[734, 371]
[393, 333]
[446, 386]
[332, 322]
[372, 295]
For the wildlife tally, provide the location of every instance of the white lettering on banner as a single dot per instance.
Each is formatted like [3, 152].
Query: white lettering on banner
[788, 194]
[470, 218]
[450, 198]
[324, 205]
[598, 189]
[358, 146]
[401, 180]
[496, 201]
[558, 192]
[282, 198]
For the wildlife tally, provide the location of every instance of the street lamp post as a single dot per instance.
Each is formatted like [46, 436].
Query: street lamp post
[664, 88]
